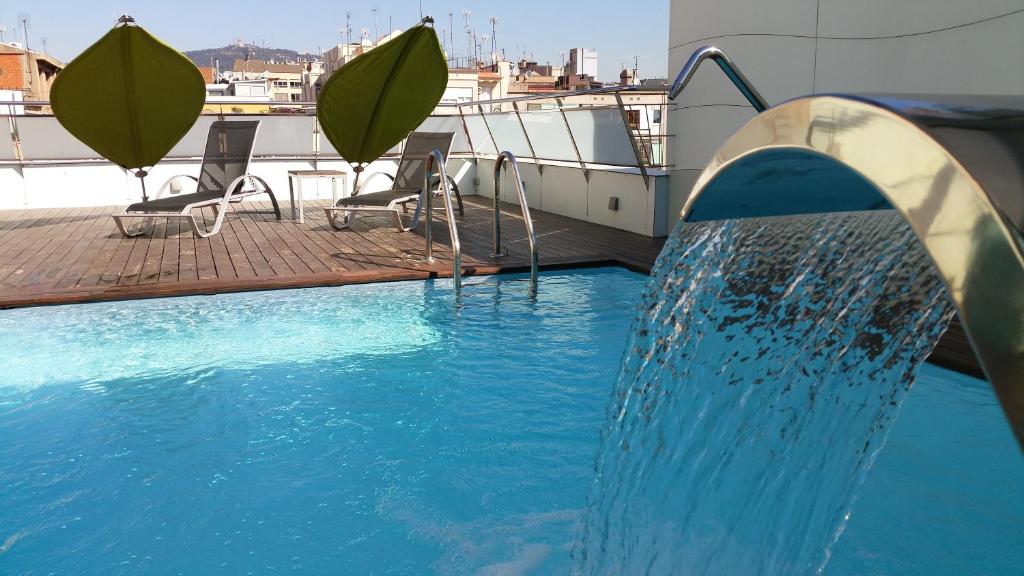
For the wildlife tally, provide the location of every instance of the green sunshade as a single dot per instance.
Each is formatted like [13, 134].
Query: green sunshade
[374, 101]
[129, 96]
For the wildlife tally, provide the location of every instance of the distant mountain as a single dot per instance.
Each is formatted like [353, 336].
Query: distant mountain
[228, 55]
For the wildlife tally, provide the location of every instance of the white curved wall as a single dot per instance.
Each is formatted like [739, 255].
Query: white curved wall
[791, 48]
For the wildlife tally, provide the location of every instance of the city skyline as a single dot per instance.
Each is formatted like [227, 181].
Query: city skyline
[318, 25]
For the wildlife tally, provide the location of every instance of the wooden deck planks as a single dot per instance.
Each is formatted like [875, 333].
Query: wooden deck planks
[63, 255]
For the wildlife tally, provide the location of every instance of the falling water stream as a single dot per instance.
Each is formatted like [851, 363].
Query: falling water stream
[769, 360]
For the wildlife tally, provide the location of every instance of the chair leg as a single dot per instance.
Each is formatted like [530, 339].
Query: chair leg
[401, 225]
[273, 202]
[119, 221]
[458, 195]
[345, 220]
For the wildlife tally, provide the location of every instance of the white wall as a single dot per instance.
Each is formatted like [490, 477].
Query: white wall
[791, 48]
[564, 190]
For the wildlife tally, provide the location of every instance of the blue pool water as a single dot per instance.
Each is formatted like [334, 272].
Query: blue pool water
[365, 429]
[381, 429]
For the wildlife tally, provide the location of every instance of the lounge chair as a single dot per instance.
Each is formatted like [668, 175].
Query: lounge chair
[223, 179]
[406, 185]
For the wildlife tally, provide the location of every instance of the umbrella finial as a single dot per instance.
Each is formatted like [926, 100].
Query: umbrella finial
[125, 20]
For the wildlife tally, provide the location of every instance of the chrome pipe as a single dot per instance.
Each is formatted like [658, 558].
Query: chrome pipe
[919, 156]
[510, 158]
[436, 160]
[727, 65]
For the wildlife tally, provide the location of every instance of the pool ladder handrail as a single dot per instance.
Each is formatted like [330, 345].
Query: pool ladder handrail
[435, 160]
[510, 158]
[727, 65]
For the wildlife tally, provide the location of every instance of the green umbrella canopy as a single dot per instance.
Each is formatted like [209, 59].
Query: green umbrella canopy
[129, 96]
[374, 101]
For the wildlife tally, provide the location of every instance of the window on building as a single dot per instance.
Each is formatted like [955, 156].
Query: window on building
[633, 118]
[656, 117]
[280, 84]
[296, 97]
[296, 84]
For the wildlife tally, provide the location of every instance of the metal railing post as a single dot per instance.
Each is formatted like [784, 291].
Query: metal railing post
[526, 135]
[572, 138]
[632, 140]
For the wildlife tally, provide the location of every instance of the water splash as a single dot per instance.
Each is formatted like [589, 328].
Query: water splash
[769, 359]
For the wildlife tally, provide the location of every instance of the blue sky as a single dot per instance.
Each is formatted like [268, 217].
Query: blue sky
[618, 30]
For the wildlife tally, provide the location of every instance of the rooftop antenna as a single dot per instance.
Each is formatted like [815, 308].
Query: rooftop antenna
[494, 38]
[348, 28]
[451, 36]
[421, 9]
[376, 35]
[3, 29]
[26, 21]
[44, 45]
[466, 14]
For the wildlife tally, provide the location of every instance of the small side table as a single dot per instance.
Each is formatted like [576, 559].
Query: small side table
[295, 178]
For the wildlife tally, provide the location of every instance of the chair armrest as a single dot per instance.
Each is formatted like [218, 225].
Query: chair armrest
[367, 180]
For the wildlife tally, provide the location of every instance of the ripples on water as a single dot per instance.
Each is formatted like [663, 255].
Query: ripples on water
[770, 359]
[370, 429]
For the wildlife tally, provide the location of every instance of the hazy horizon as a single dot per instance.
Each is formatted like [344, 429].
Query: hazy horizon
[529, 28]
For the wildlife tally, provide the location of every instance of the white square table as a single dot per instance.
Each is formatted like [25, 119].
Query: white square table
[295, 178]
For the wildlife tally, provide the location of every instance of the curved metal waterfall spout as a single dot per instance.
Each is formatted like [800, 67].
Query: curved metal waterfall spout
[435, 160]
[954, 168]
[731, 71]
[509, 157]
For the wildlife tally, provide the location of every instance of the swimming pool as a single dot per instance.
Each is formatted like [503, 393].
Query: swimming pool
[383, 429]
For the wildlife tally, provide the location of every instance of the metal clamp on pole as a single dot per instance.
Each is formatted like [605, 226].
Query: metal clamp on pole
[436, 160]
[527, 220]
[727, 66]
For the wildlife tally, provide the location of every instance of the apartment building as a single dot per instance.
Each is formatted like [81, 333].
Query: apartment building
[27, 72]
[284, 81]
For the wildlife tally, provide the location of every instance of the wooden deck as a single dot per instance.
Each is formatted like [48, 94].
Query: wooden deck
[67, 255]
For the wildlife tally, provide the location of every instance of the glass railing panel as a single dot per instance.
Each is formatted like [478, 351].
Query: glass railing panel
[6, 143]
[482, 143]
[549, 136]
[601, 136]
[327, 151]
[282, 135]
[193, 143]
[43, 138]
[448, 124]
[508, 133]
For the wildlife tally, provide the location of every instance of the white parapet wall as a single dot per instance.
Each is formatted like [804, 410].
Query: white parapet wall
[98, 183]
[564, 189]
[586, 165]
[792, 48]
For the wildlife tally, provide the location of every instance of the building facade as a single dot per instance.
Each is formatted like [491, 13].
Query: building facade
[29, 72]
[582, 62]
[799, 47]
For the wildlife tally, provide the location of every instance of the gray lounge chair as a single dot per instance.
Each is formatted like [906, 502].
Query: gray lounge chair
[223, 179]
[406, 185]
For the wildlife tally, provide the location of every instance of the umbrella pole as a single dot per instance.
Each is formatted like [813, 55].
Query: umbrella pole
[358, 169]
[141, 175]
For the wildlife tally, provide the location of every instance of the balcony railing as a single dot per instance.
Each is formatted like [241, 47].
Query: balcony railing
[611, 127]
[597, 156]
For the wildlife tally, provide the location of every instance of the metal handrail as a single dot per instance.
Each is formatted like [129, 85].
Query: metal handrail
[507, 99]
[436, 159]
[527, 219]
[728, 66]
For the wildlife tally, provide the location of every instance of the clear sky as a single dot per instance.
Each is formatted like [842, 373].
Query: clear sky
[619, 30]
